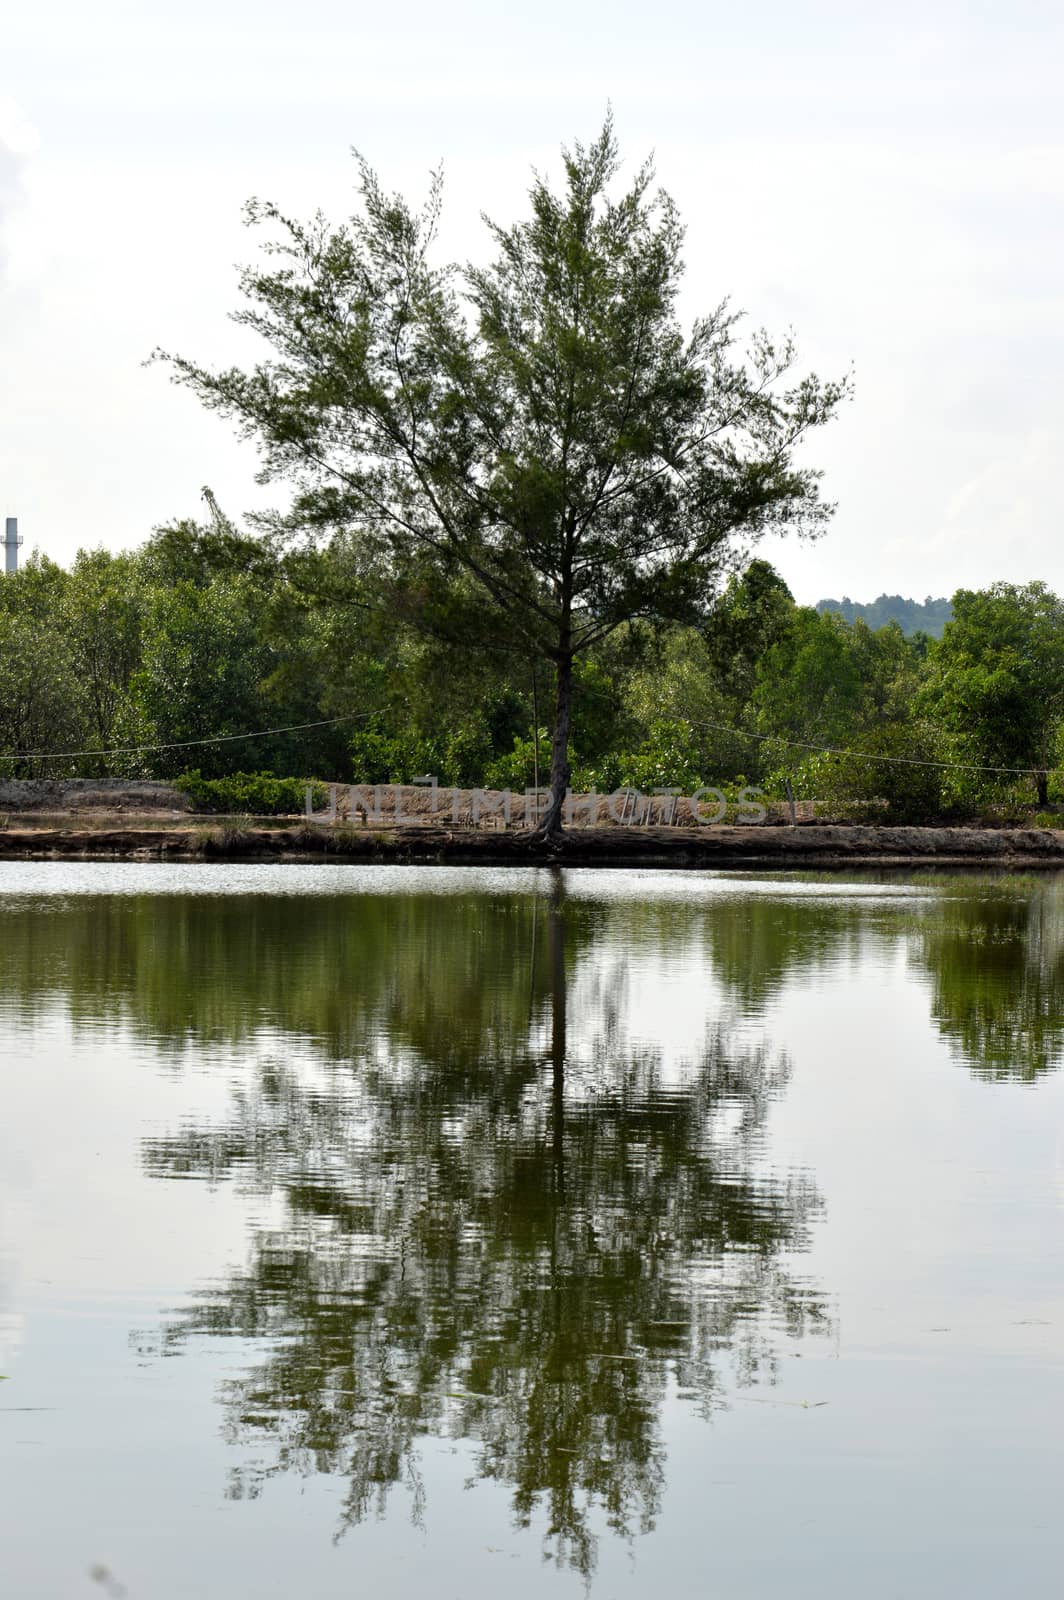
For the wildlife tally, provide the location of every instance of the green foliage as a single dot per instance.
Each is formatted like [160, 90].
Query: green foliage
[378, 757]
[102, 613]
[823, 681]
[754, 612]
[201, 670]
[258, 794]
[667, 758]
[930, 618]
[42, 707]
[170, 645]
[809, 685]
[884, 781]
[516, 769]
[535, 451]
[997, 679]
[36, 591]
[466, 752]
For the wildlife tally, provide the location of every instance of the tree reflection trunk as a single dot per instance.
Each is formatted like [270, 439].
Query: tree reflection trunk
[556, 940]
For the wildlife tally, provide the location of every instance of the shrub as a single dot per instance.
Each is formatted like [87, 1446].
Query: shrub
[517, 768]
[893, 788]
[255, 793]
[378, 757]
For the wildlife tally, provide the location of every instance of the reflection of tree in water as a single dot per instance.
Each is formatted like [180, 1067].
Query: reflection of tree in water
[485, 1240]
[760, 943]
[993, 949]
[996, 962]
[343, 970]
[203, 968]
[505, 1219]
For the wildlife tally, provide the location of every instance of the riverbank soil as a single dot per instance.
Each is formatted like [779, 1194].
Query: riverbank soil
[766, 845]
[116, 819]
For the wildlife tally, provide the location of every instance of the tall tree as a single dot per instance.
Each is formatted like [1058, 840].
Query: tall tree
[541, 428]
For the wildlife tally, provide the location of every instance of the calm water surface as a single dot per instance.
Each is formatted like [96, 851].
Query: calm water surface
[408, 1233]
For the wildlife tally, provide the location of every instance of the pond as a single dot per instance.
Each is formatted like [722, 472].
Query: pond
[406, 1232]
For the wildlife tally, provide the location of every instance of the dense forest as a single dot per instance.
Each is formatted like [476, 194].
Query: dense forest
[203, 633]
[910, 615]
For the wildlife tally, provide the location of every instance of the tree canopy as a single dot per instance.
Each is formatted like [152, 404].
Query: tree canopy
[998, 677]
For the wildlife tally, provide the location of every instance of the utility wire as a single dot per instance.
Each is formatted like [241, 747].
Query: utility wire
[861, 755]
[360, 716]
[183, 744]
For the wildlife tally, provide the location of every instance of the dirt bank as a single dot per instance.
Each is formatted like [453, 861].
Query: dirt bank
[71, 795]
[827, 845]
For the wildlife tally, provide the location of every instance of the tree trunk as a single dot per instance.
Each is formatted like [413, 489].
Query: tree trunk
[535, 729]
[1041, 778]
[551, 826]
[558, 1032]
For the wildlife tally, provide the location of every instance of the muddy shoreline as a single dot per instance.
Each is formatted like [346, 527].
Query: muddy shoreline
[781, 847]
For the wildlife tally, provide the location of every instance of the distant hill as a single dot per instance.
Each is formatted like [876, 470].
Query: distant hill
[912, 617]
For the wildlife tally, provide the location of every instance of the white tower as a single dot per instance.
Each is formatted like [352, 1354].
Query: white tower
[11, 544]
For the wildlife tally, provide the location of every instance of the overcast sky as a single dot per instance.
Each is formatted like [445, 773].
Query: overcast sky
[890, 188]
